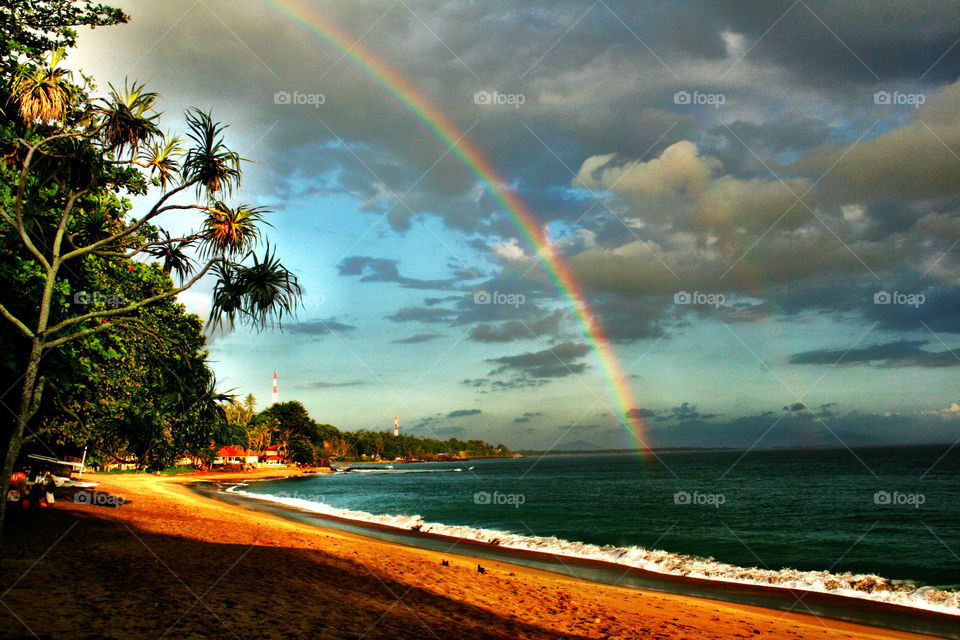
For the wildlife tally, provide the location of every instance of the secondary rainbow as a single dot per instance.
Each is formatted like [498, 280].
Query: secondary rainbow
[477, 164]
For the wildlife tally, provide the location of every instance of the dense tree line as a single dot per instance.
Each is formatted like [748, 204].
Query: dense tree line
[307, 442]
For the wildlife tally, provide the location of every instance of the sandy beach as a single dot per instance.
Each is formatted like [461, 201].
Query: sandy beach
[173, 564]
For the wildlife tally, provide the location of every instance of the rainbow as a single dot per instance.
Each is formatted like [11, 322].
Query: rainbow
[474, 161]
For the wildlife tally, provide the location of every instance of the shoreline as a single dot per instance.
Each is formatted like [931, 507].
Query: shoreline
[108, 572]
[848, 608]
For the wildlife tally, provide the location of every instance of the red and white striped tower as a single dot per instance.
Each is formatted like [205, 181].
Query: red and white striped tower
[396, 426]
[274, 399]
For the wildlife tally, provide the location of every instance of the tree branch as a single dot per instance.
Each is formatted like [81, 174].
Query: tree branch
[16, 321]
[107, 313]
[145, 246]
[156, 210]
[78, 334]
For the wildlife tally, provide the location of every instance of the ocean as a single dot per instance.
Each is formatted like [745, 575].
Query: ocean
[877, 523]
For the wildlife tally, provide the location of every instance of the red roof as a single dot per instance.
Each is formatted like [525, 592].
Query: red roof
[234, 451]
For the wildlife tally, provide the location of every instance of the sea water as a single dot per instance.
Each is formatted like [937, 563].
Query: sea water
[879, 523]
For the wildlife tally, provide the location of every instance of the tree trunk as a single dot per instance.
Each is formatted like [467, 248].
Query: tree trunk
[26, 410]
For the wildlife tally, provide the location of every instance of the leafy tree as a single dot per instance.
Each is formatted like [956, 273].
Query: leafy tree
[292, 427]
[71, 165]
[32, 29]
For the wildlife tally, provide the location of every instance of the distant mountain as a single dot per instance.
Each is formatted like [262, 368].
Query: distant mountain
[578, 445]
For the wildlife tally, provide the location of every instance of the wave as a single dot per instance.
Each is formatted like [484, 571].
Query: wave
[863, 586]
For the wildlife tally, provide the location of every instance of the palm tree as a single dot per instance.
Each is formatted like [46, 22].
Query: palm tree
[211, 404]
[261, 292]
[161, 158]
[128, 118]
[230, 231]
[210, 164]
[174, 255]
[44, 92]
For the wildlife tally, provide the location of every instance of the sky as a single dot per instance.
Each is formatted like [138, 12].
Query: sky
[759, 201]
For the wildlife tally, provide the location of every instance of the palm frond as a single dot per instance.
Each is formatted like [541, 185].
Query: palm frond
[230, 231]
[260, 293]
[127, 118]
[43, 92]
[209, 163]
[161, 158]
[174, 256]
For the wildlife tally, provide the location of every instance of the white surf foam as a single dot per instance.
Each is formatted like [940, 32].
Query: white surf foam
[864, 586]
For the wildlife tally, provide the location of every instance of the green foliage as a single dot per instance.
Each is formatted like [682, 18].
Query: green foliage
[97, 350]
[32, 29]
[307, 442]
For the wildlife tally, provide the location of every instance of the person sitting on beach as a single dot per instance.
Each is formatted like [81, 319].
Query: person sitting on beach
[49, 485]
[36, 493]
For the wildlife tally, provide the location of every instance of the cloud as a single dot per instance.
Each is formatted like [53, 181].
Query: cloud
[950, 413]
[320, 327]
[518, 330]
[323, 384]
[418, 338]
[688, 190]
[802, 428]
[901, 353]
[383, 270]
[555, 362]
[422, 314]
[915, 161]
[460, 413]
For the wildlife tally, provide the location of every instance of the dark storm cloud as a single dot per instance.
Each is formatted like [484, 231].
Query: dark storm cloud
[627, 319]
[901, 353]
[821, 40]
[939, 312]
